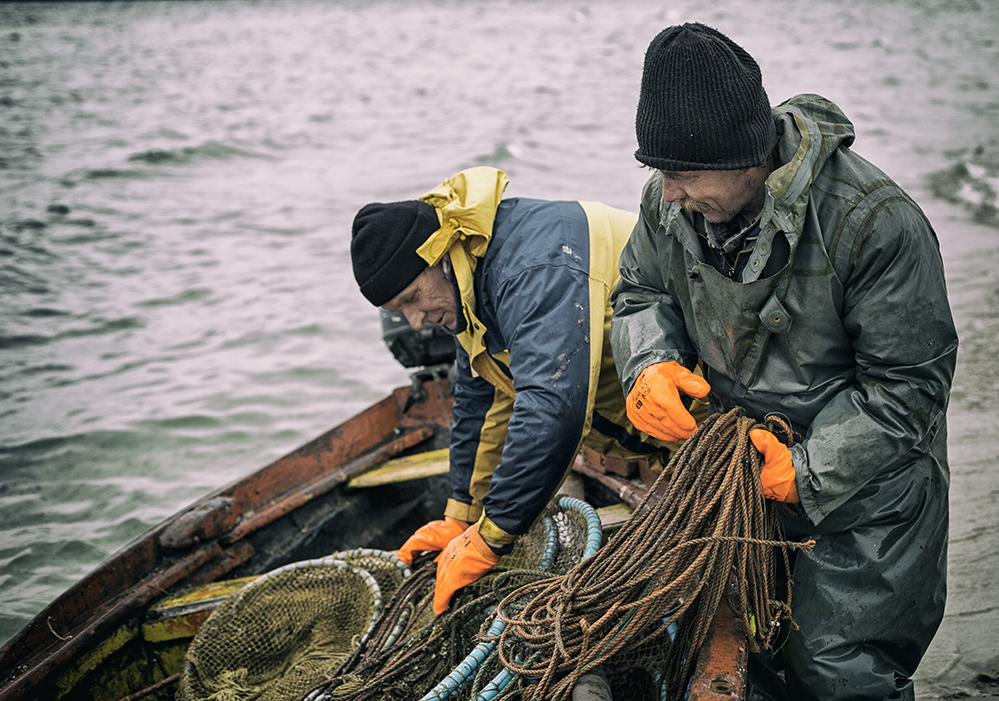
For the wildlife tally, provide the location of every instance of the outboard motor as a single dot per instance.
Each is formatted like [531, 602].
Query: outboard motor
[431, 350]
[432, 345]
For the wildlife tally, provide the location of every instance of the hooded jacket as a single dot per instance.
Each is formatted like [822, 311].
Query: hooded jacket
[839, 321]
[851, 338]
[535, 375]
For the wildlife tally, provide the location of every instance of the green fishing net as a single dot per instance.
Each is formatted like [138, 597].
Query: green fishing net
[283, 632]
[360, 625]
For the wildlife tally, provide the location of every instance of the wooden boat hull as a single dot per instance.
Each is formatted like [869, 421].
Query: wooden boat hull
[122, 631]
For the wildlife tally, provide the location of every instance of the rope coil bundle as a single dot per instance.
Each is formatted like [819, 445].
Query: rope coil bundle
[647, 598]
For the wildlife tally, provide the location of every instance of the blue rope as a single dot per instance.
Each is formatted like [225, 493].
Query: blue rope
[594, 531]
[594, 539]
[466, 669]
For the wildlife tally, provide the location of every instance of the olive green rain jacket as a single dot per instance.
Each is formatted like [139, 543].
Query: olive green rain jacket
[838, 320]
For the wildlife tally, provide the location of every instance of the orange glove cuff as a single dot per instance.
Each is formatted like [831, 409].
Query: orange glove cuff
[464, 560]
[431, 537]
[777, 477]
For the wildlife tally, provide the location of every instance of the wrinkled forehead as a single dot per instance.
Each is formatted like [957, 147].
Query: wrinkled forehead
[410, 293]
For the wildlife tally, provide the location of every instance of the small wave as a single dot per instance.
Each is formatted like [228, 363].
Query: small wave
[43, 313]
[194, 421]
[106, 326]
[113, 173]
[100, 328]
[308, 330]
[79, 550]
[59, 213]
[15, 280]
[209, 151]
[193, 295]
[46, 453]
[503, 152]
[38, 447]
[311, 376]
[21, 340]
[128, 529]
[27, 225]
[45, 369]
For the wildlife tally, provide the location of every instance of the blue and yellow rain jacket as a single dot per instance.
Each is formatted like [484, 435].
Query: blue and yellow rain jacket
[536, 378]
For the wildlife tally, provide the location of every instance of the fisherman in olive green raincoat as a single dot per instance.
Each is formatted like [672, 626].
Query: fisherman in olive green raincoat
[810, 286]
[525, 285]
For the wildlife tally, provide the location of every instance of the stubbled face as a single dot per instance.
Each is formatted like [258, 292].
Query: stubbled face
[719, 195]
[429, 299]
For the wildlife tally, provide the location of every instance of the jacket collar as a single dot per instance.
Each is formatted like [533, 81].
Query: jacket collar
[466, 208]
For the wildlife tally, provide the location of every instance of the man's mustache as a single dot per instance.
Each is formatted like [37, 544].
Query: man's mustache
[694, 206]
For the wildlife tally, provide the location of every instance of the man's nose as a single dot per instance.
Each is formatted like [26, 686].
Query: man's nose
[415, 318]
[671, 191]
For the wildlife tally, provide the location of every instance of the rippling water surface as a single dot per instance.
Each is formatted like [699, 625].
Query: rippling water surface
[177, 182]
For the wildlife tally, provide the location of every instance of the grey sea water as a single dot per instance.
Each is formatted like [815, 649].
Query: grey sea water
[177, 182]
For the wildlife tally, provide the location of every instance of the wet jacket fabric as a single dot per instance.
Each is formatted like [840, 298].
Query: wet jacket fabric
[838, 319]
[535, 374]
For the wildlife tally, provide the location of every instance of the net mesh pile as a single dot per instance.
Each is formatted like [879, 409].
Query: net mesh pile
[433, 647]
[360, 625]
[283, 632]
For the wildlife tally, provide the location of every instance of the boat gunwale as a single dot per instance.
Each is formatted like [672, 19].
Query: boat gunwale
[146, 569]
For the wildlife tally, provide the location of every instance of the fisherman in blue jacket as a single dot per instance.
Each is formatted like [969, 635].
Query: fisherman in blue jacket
[525, 286]
[810, 286]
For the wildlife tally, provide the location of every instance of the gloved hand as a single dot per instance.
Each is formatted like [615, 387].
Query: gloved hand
[431, 537]
[777, 475]
[464, 560]
[654, 404]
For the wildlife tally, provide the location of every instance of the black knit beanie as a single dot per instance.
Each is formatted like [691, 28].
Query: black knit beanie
[702, 105]
[383, 246]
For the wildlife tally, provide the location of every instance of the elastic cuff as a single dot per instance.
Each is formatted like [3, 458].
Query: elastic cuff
[459, 510]
[493, 533]
[486, 551]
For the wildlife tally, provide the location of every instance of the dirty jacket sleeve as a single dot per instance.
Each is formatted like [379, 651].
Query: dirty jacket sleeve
[534, 296]
[481, 412]
[544, 314]
[896, 315]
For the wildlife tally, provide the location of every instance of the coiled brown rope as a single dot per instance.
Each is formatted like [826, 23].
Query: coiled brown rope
[670, 564]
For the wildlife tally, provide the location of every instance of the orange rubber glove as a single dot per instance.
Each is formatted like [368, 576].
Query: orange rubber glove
[464, 560]
[432, 537]
[777, 475]
[654, 404]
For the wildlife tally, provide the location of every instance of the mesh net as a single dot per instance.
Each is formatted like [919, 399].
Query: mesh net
[360, 625]
[285, 631]
[452, 655]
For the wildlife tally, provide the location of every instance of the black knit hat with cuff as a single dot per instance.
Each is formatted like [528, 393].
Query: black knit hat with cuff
[383, 246]
[702, 104]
